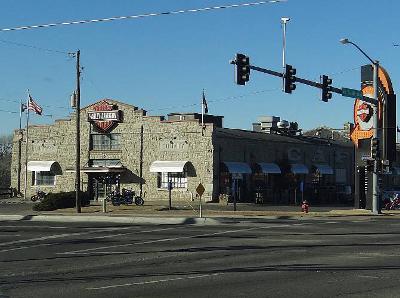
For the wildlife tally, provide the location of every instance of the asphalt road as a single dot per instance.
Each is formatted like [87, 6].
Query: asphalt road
[274, 258]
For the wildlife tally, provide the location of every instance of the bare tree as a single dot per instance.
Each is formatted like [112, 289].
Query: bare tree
[5, 160]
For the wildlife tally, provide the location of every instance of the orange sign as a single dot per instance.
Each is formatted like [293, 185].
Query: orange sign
[363, 111]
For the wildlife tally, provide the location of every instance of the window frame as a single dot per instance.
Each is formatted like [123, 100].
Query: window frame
[179, 180]
[43, 179]
[105, 141]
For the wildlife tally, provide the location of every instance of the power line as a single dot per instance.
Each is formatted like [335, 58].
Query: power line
[45, 106]
[140, 16]
[33, 47]
[216, 100]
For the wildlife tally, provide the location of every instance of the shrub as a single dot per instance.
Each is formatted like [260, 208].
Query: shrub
[61, 200]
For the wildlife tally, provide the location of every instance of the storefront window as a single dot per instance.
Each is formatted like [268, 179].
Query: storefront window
[179, 180]
[43, 178]
[110, 141]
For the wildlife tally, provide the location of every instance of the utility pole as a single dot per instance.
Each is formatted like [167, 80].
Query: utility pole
[78, 134]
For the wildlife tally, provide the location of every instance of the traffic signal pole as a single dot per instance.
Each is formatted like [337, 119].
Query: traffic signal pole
[327, 90]
[376, 135]
[311, 83]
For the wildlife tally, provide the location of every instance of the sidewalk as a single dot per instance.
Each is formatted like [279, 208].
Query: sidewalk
[157, 212]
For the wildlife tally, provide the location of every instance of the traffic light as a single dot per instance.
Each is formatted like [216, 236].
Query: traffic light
[242, 69]
[326, 88]
[290, 78]
[370, 165]
[375, 148]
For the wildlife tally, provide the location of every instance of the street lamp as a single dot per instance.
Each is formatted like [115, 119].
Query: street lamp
[376, 134]
[284, 21]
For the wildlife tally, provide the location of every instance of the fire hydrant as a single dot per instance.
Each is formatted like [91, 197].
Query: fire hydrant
[305, 206]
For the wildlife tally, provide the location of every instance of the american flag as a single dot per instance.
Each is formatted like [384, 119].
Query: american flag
[205, 103]
[33, 106]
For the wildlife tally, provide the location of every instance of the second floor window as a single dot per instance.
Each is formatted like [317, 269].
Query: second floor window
[111, 141]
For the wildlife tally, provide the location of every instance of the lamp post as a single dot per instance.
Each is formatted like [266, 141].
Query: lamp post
[376, 134]
[284, 21]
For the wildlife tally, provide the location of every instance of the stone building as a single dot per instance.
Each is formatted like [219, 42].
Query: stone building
[121, 146]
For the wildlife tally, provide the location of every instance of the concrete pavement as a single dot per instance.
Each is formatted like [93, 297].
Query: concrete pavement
[182, 212]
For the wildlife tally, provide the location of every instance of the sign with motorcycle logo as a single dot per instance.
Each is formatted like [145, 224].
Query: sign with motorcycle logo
[104, 115]
[363, 111]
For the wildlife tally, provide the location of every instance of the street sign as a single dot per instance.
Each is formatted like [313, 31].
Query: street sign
[200, 189]
[347, 92]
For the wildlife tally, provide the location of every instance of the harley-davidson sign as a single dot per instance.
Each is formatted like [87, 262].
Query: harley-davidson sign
[104, 115]
[363, 111]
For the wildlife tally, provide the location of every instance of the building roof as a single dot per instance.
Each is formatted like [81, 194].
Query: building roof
[238, 133]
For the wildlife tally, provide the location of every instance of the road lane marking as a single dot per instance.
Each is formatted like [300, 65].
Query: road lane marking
[165, 240]
[25, 247]
[44, 238]
[369, 276]
[153, 281]
[1, 226]
[53, 244]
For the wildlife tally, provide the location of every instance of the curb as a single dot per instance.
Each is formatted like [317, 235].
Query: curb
[114, 219]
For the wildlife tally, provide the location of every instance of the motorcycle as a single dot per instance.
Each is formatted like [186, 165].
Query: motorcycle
[393, 203]
[38, 196]
[126, 197]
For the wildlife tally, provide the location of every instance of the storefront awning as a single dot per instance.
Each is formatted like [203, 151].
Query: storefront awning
[99, 170]
[168, 166]
[269, 168]
[41, 166]
[323, 169]
[237, 167]
[299, 168]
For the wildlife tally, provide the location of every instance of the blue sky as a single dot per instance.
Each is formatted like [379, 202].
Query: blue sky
[161, 64]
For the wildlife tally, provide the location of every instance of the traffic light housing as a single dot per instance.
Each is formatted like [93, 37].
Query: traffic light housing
[326, 88]
[242, 69]
[290, 78]
[369, 165]
[374, 148]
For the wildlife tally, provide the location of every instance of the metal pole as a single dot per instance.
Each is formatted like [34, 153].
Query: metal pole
[200, 208]
[284, 21]
[26, 147]
[377, 135]
[20, 137]
[78, 135]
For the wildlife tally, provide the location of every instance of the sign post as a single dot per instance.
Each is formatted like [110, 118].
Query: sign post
[200, 190]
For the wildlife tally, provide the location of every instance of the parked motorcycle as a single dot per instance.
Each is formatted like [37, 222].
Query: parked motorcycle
[393, 203]
[126, 197]
[40, 195]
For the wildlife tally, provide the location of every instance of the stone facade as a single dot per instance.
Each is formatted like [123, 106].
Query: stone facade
[145, 139]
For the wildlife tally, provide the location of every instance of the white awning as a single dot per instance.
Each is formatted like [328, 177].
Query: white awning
[237, 167]
[168, 166]
[40, 166]
[120, 169]
[269, 168]
[299, 168]
[324, 169]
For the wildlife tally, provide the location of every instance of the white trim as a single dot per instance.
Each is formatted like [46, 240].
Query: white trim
[168, 166]
[40, 166]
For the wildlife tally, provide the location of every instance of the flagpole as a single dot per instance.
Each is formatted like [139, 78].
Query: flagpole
[20, 137]
[203, 108]
[26, 146]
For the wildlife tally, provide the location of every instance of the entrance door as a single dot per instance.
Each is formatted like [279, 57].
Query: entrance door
[102, 186]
